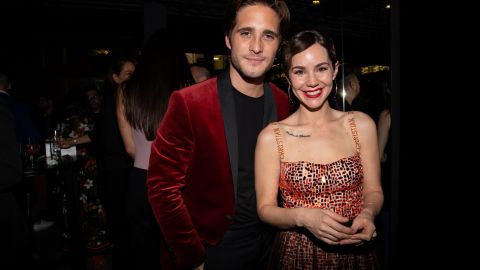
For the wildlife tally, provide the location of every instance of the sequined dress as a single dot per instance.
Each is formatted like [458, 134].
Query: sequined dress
[336, 186]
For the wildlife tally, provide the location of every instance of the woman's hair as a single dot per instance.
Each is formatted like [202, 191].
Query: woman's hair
[302, 41]
[279, 6]
[163, 68]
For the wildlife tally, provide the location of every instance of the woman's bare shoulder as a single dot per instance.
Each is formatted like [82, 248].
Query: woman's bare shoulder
[363, 122]
[268, 133]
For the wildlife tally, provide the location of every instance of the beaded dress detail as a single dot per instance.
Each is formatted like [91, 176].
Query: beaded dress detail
[336, 186]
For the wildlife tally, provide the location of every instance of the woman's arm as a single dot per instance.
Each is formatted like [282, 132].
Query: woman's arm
[267, 173]
[372, 189]
[383, 129]
[67, 143]
[124, 126]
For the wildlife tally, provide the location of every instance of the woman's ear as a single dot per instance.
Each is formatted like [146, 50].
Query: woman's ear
[115, 78]
[335, 70]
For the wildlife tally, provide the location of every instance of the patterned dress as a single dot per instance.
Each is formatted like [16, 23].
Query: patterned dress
[84, 197]
[335, 186]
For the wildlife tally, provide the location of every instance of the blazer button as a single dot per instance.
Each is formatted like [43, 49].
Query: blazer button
[228, 218]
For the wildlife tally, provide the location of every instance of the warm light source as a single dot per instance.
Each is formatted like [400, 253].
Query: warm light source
[220, 61]
[373, 69]
[100, 52]
[315, 2]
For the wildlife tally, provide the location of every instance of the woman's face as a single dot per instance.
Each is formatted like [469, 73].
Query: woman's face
[125, 74]
[311, 75]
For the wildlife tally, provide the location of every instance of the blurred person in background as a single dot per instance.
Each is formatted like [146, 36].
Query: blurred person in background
[114, 163]
[200, 73]
[13, 223]
[142, 103]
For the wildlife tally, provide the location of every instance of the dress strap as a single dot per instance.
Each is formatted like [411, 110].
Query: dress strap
[353, 128]
[278, 139]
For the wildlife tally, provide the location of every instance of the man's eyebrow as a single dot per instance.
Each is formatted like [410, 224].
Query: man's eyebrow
[247, 28]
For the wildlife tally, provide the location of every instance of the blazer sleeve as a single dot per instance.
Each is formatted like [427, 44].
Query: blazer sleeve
[170, 159]
[10, 159]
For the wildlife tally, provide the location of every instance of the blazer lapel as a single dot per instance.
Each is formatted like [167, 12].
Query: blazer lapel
[270, 109]
[227, 104]
[225, 94]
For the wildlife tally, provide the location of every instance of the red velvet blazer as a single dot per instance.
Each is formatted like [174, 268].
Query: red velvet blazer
[193, 166]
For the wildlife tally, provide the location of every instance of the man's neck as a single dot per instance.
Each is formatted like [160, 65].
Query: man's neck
[247, 86]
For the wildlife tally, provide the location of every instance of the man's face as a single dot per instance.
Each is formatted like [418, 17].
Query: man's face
[94, 100]
[254, 41]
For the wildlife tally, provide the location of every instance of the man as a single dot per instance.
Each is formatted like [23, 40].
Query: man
[13, 224]
[200, 73]
[94, 99]
[200, 177]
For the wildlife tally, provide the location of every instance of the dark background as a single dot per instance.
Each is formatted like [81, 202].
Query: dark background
[46, 45]
[362, 24]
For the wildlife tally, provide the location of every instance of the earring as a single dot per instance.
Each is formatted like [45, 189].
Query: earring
[336, 87]
[336, 91]
[290, 100]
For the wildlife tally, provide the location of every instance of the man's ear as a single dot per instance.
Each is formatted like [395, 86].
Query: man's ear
[227, 42]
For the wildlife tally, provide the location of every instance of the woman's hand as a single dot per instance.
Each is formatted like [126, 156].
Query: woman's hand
[365, 229]
[328, 226]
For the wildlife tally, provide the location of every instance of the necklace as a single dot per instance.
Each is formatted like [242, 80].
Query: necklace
[298, 135]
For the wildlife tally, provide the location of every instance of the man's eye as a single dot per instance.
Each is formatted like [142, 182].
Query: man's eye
[298, 72]
[270, 37]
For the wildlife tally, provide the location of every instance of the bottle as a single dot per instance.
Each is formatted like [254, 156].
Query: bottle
[55, 147]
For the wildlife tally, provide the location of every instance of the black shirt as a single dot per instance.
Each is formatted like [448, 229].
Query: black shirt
[249, 114]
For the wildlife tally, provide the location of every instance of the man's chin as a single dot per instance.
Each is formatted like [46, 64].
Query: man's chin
[255, 72]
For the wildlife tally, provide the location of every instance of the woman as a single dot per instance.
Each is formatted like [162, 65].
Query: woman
[140, 108]
[325, 164]
[80, 129]
[114, 162]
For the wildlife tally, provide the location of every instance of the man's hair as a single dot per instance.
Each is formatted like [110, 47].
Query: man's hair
[349, 79]
[279, 6]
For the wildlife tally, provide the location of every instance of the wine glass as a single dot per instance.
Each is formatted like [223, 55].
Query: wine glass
[31, 152]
